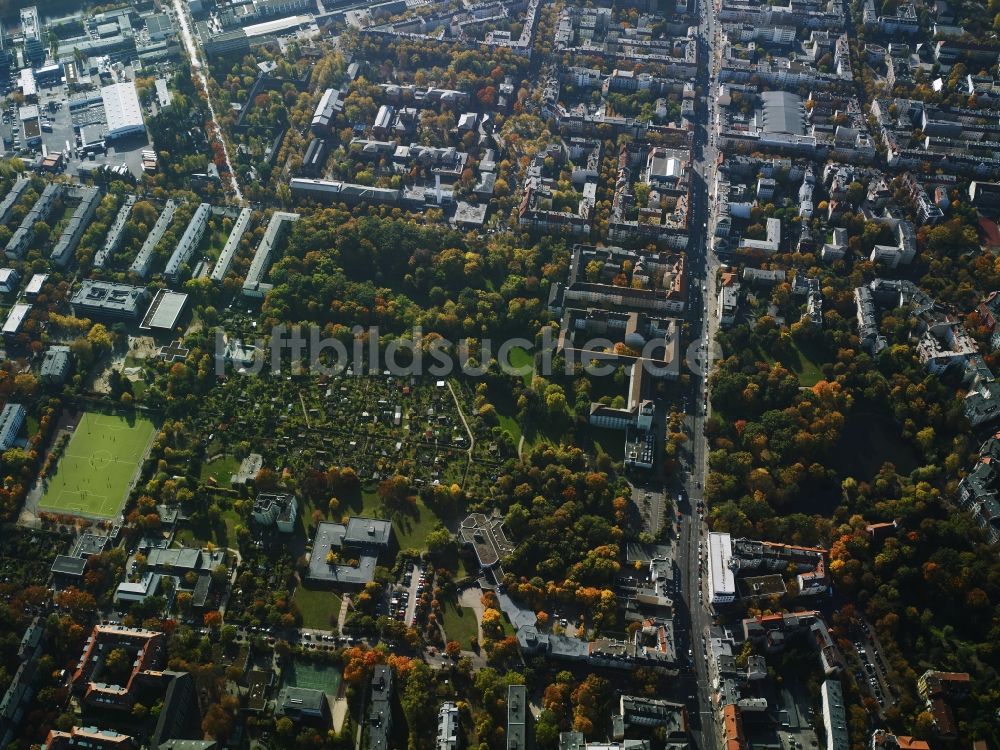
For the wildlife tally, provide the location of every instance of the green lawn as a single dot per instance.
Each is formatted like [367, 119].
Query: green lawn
[319, 609]
[520, 357]
[460, 623]
[508, 628]
[215, 242]
[802, 363]
[94, 475]
[511, 426]
[220, 469]
[533, 438]
[411, 530]
[545, 433]
[361, 503]
[222, 534]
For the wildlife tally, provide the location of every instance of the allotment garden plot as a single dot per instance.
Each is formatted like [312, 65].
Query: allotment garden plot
[381, 425]
[98, 466]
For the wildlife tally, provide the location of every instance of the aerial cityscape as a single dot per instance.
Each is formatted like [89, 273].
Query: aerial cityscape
[500, 375]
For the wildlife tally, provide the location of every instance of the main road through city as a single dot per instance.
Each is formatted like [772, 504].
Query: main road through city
[702, 318]
[199, 71]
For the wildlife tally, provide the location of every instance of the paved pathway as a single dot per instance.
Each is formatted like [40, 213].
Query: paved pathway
[345, 604]
[461, 414]
[339, 709]
[470, 597]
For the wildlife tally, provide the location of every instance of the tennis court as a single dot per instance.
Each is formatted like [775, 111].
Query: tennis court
[95, 473]
[313, 677]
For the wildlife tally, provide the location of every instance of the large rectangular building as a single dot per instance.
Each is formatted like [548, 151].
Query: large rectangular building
[116, 234]
[362, 539]
[88, 738]
[12, 197]
[12, 419]
[720, 576]
[144, 258]
[107, 299]
[335, 191]
[20, 241]
[188, 243]
[164, 311]
[90, 198]
[15, 320]
[834, 716]
[122, 110]
[232, 245]
[517, 717]
[380, 709]
[301, 703]
[34, 287]
[329, 105]
[254, 285]
[447, 736]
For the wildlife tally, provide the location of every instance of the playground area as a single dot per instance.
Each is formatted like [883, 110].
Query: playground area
[94, 474]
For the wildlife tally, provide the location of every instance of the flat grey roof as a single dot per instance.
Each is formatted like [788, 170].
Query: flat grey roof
[16, 317]
[333, 536]
[144, 258]
[517, 706]
[470, 213]
[232, 245]
[70, 566]
[189, 240]
[91, 544]
[380, 711]
[164, 310]
[121, 107]
[202, 589]
[12, 419]
[301, 699]
[362, 530]
[35, 285]
[783, 113]
[176, 558]
[108, 297]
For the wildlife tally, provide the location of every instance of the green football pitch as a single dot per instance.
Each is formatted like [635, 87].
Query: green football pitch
[95, 472]
[313, 677]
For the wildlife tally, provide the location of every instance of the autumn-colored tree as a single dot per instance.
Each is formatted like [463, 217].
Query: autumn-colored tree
[588, 700]
[359, 662]
[284, 727]
[117, 665]
[492, 624]
[394, 492]
[219, 719]
[266, 480]
[79, 604]
[504, 651]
